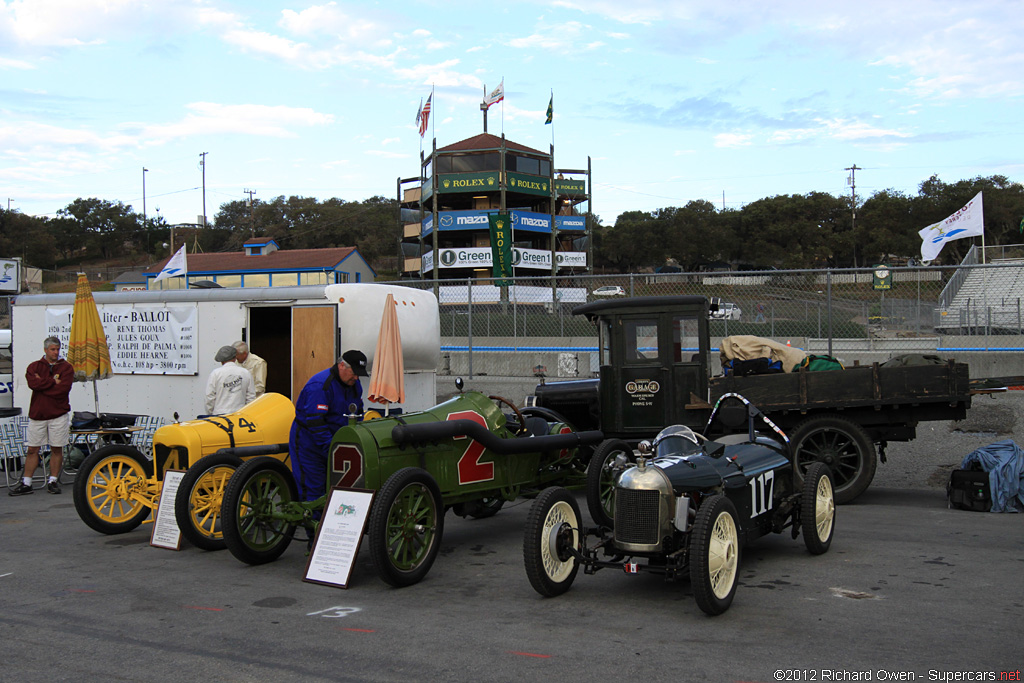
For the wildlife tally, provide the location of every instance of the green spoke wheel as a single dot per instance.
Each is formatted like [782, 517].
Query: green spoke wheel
[406, 525]
[610, 459]
[255, 530]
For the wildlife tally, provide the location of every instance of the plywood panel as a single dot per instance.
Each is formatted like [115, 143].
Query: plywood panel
[313, 334]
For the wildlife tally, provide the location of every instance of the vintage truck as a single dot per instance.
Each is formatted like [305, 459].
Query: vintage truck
[654, 372]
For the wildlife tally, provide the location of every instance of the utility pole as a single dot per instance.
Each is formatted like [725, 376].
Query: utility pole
[852, 182]
[202, 162]
[252, 216]
[145, 226]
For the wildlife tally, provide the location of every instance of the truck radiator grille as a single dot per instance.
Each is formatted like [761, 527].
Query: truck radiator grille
[636, 516]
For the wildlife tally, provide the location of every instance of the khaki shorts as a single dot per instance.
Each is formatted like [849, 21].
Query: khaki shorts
[55, 433]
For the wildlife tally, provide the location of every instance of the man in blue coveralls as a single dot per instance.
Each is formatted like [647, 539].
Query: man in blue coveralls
[321, 410]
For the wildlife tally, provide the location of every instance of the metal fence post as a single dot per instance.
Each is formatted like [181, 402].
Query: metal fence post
[469, 320]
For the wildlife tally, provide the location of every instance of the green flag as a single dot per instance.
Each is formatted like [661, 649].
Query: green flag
[501, 247]
[551, 115]
[1022, 224]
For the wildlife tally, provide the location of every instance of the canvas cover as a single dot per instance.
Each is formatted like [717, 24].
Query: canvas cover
[747, 346]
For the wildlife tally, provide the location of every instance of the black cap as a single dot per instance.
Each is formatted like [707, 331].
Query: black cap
[357, 361]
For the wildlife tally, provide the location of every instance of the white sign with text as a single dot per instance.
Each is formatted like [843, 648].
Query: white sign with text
[143, 339]
[338, 536]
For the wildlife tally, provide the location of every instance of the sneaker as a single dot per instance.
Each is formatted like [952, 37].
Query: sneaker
[20, 490]
[53, 487]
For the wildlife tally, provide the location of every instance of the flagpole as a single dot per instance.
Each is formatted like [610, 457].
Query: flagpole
[503, 104]
[552, 101]
[433, 131]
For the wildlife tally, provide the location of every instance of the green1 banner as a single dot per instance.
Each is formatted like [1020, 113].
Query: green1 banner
[501, 247]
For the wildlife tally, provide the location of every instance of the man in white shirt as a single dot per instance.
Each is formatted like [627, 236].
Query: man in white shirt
[230, 386]
[254, 364]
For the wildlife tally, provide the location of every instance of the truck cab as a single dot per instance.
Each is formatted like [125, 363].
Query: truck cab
[653, 367]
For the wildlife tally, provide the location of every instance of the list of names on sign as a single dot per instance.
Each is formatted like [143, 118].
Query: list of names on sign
[166, 533]
[148, 340]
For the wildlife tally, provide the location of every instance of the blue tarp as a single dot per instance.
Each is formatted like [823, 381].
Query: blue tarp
[1004, 462]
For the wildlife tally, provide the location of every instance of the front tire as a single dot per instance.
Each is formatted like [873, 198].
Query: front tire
[406, 526]
[198, 501]
[602, 473]
[552, 530]
[255, 492]
[714, 555]
[817, 509]
[842, 445]
[107, 487]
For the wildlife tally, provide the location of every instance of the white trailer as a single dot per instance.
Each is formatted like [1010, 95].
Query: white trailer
[162, 343]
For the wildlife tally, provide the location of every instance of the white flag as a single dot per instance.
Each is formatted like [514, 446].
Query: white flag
[967, 222]
[175, 267]
[497, 95]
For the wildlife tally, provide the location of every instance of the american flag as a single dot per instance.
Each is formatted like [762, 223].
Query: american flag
[424, 115]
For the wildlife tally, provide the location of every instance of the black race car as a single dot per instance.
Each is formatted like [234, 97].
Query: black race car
[687, 505]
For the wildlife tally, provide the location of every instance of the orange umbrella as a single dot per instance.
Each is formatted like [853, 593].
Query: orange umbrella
[387, 381]
[87, 347]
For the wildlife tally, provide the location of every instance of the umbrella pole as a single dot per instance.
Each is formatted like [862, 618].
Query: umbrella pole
[95, 397]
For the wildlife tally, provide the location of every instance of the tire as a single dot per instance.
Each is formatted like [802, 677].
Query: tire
[842, 445]
[254, 493]
[199, 498]
[480, 509]
[103, 488]
[714, 555]
[817, 509]
[406, 525]
[552, 529]
[601, 476]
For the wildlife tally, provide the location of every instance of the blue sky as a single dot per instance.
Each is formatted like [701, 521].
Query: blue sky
[673, 101]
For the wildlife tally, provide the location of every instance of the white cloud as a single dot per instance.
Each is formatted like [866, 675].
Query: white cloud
[387, 155]
[565, 38]
[732, 140]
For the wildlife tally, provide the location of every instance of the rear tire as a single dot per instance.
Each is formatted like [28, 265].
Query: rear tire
[841, 444]
[817, 509]
[406, 526]
[197, 505]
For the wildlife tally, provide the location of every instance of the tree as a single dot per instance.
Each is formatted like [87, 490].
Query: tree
[109, 228]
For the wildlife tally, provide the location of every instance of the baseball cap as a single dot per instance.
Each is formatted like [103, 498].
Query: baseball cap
[357, 361]
[224, 354]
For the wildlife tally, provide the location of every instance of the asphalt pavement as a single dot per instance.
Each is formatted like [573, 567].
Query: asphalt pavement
[909, 588]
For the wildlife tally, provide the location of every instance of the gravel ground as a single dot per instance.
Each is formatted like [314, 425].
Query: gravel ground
[925, 462]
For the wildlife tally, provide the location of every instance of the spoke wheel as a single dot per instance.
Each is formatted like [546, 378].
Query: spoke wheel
[714, 555]
[254, 529]
[602, 473]
[199, 498]
[107, 486]
[406, 525]
[843, 446]
[817, 509]
[552, 531]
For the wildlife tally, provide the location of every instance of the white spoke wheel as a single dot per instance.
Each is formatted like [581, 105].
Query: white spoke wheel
[602, 473]
[714, 555]
[818, 509]
[552, 532]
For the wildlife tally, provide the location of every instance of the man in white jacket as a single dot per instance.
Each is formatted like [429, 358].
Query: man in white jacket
[230, 386]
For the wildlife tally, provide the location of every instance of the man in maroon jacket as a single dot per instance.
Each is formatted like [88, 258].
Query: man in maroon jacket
[49, 414]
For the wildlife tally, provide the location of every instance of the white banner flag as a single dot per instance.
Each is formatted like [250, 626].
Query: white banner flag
[967, 222]
[497, 95]
[175, 267]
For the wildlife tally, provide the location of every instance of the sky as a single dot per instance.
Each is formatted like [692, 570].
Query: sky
[728, 102]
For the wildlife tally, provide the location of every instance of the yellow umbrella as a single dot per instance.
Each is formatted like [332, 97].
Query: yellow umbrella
[387, 381]
[87, 348]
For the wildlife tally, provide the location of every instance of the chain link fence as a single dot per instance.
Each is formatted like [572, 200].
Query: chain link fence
[528, 328]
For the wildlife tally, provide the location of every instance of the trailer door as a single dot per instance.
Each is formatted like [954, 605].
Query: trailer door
[314, 347]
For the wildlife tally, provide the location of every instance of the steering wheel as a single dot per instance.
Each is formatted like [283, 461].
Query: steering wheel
[519, 414]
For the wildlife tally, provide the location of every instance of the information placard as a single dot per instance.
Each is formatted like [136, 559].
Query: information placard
[338, 536]
[166, 533]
